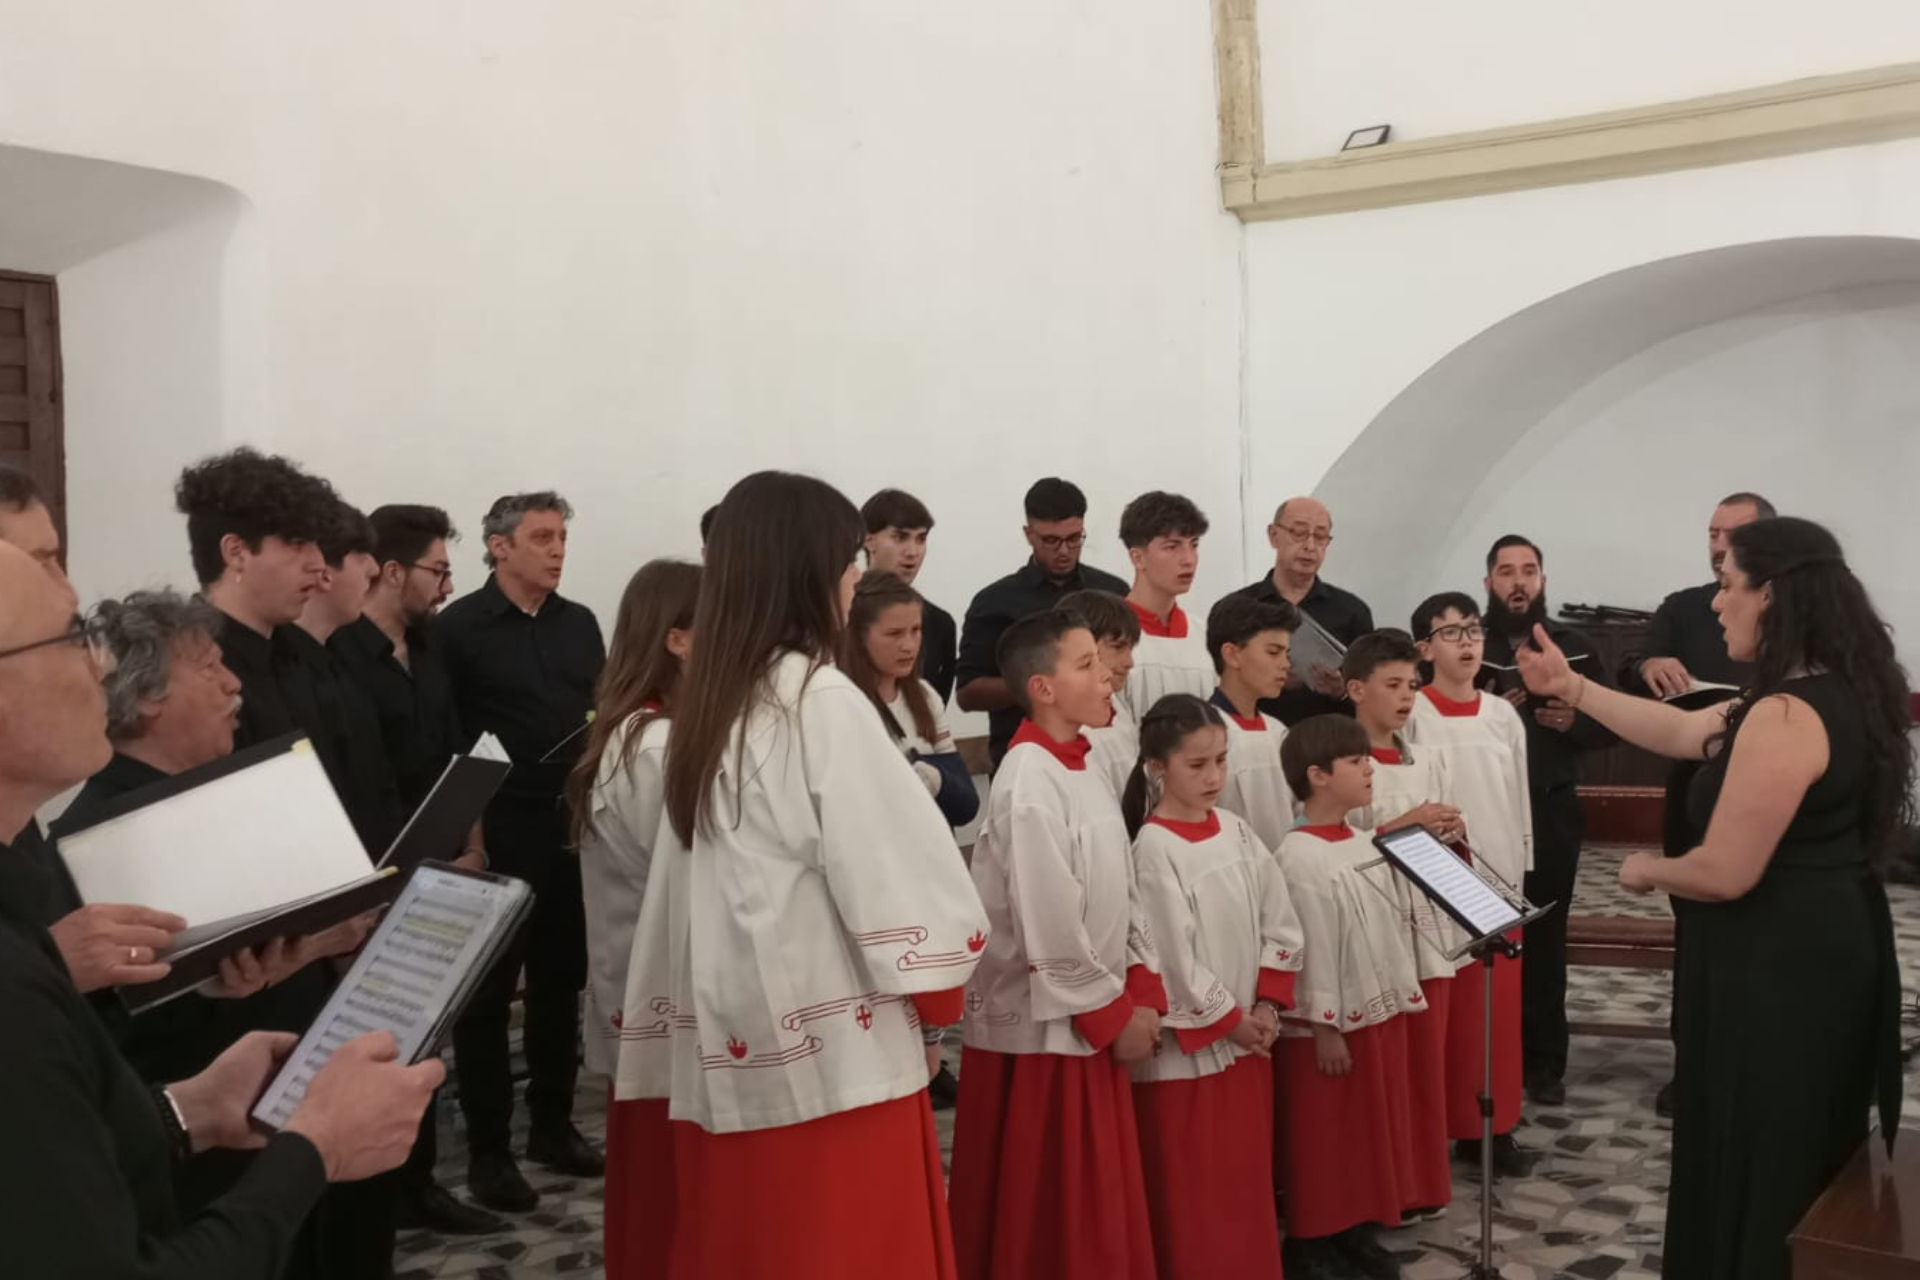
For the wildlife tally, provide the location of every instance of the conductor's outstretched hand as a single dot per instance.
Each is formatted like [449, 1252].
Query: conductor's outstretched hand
[1544, 667]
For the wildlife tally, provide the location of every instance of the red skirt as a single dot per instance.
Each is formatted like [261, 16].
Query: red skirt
[1047, 1182]
[852, 1196]
[1338, 1150]
[1429, 1177]
[1207, 1149]
[1466, 1039]
[640, 1189]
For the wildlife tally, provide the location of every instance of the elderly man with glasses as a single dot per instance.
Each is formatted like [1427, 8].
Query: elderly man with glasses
[1300, 535]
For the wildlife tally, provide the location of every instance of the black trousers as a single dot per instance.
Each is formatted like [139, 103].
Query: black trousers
[527, 842]
[1559, 825]
[1678, 835]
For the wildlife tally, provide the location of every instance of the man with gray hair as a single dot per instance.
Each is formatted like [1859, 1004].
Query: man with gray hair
[523, 662]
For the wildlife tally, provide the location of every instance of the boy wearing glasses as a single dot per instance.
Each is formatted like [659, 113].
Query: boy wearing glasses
[1056, 530]
[1480, 742]
[1301, 534]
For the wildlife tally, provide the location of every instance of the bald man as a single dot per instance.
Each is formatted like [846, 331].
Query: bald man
[1300, 535]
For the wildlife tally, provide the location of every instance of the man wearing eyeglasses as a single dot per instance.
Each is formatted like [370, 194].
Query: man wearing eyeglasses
[1056, 530]
[1300, 535]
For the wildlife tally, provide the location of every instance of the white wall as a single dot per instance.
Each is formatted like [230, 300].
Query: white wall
[1431, 69]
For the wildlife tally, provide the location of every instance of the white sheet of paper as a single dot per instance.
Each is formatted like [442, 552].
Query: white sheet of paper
[246, 842]
[1452, 881]
[489, 748]
[1703, 686]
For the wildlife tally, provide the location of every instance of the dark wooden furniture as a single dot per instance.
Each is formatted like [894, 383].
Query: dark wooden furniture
[1620, 942]
[1619, 766]
[32, 431]
[1866, 1224]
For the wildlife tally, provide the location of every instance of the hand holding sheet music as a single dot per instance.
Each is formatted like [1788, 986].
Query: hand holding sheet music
[1316, 657]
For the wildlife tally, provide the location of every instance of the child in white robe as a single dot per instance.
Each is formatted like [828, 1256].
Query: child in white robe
[1341, 1061]
[1162, 533]
[813, 916]
[1116, 630]
[1047, 1182]
[1250, 641]
[1230, 949]
[1484, 745]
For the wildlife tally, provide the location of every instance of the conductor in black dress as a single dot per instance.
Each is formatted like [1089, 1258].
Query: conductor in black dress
[1787, 993]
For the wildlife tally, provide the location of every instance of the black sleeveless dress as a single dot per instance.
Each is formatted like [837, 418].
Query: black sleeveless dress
[1788, 1001]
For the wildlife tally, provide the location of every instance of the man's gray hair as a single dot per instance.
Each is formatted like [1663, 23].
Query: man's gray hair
[141, 631]
[505, 515]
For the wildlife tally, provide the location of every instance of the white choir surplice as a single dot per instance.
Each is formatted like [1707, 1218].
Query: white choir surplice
[1116, 749]
[1256, 784]
[1170, 657]
[794, 935]
[616, 857]
[1053, 867]
[1419, 777]
[1218, 908]
[1359, 969]
[1485, 746]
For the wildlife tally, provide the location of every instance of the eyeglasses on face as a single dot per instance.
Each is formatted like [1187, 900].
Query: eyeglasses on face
[1307, 535]
[1458, 631]
[89, 635]
[1056, 541]
[445, 575]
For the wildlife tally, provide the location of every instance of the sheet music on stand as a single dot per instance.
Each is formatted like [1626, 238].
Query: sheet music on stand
[414, 976]
[1313, 646]
[1482, 908]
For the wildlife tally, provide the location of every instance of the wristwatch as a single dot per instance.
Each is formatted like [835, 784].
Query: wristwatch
[173, 1122]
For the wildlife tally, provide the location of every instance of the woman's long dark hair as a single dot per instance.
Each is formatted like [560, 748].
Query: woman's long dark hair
[878, 592]
[780, 545]
[1167, 724]
[639, 673]
[1821, 619]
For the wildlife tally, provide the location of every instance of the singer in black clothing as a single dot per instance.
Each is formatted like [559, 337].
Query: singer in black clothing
[1301, 535]
[1557, 736]
[897, 528]
[523, 661]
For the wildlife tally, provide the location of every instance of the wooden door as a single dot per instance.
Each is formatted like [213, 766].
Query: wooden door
[32, 436]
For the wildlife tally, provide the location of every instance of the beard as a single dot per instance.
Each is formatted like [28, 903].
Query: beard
[1501, 616]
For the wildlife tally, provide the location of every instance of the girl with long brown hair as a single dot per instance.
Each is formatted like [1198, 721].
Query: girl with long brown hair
[817, 918]
[614, 795]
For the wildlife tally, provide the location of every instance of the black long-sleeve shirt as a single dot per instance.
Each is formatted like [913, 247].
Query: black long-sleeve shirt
[419, 723]
[86, 1173]
[1346, 618]
[939, 648]
[1686, 627]
[1553, 755]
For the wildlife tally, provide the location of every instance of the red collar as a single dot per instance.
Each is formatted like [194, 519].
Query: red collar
[1332, 832]
[652, 704]
[1447, 706]
[1388, 755]
[1071, 754]
[1191, 832]
[1174, 628]
[1252, 724]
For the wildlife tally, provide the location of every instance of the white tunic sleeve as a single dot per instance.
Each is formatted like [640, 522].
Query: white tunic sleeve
[1196, 997]
[1065, 977]
[898, 885]
[1310, 888]
[1522, 787]
[1283, 940]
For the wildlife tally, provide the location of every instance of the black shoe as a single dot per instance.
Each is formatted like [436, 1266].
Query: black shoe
[943, 1089]
[1548, 1091]
[1467, 1151]
[559, 1146]
[494, 1180]
[1663, 1101]
[1368, 1256]
[433, 1208]
[1316, 1259]
[1510, 1159]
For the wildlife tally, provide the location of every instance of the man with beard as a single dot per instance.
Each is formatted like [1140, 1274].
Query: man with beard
[1685, 644]
[1557, 736]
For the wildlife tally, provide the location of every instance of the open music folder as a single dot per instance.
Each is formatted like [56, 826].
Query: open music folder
[1458, 888]
[414, 976]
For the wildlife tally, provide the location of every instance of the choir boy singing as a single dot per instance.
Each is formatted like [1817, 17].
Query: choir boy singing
[1249, 642]
[1162, 533]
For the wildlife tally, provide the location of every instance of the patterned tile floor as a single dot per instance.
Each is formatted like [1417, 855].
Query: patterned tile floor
[1594, 1209]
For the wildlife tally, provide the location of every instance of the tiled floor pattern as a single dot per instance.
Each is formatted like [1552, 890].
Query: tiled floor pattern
[1593, 1210]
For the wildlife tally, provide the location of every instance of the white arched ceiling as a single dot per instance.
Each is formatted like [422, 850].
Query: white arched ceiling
[1402, 492]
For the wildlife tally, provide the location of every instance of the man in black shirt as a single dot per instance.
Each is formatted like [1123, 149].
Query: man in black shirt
[1557, 736]
[92, 1154]
[523, 662]
[897, 527]
[1300, 535]
[1056, 530]
[387, 654]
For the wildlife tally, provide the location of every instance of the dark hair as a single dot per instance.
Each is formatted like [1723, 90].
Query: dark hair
[1167, 724]
[1055, 499]
[1821, 619]
[1315, 743]
[1237, 619]
[1514, 540]
[19, 490]
[508, 510]
[878, 592]
[1761, 507]
[347, 532]
[706, 522]
[780, 544]
[895, 509]
[253, 496]
[1160, 515]
[1031, 647]
[1107, 615]
[1375, 650]
[403, 531]
[660, 597]
[1428, 612]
